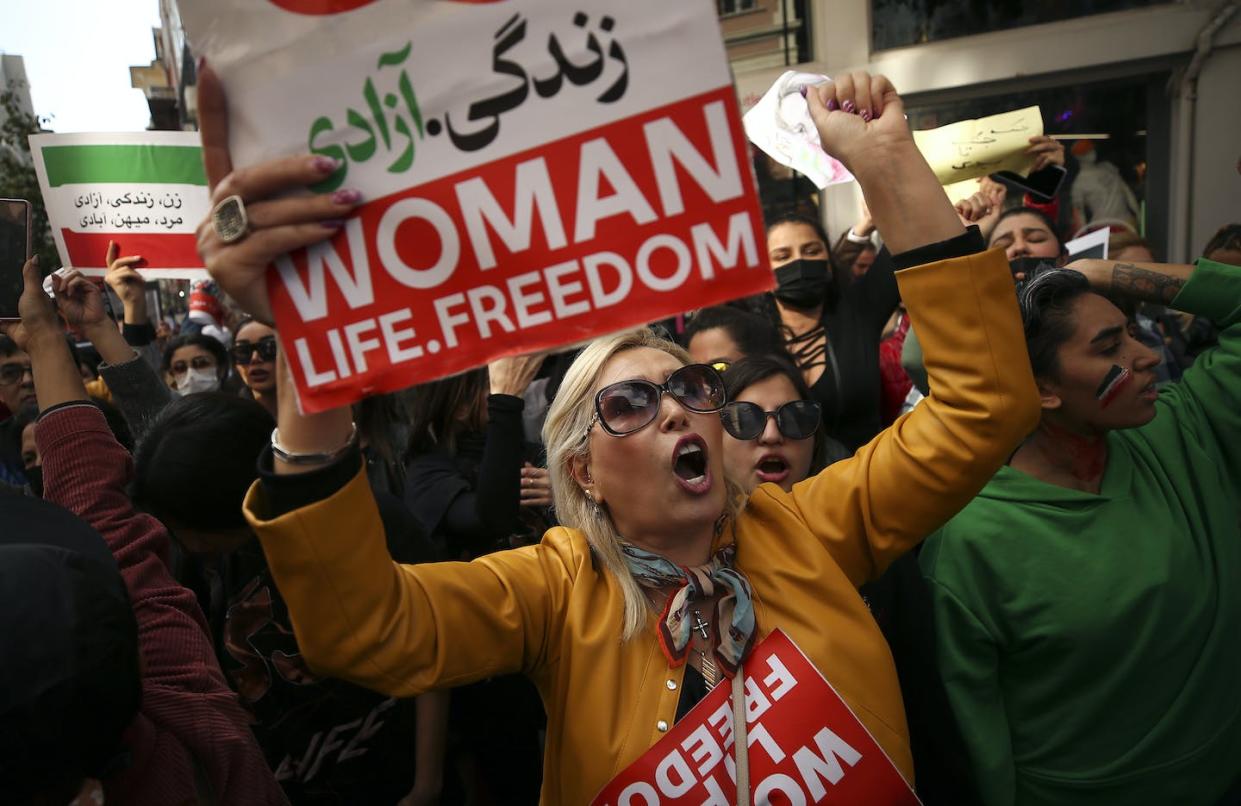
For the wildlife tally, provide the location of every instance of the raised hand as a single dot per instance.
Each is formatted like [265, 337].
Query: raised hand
[511, 376]
[861, 122]
[79, 300]
[1046, 151]
[858, 116]
[278, 222]
[984, 207]
[38, 314]
[128, 285]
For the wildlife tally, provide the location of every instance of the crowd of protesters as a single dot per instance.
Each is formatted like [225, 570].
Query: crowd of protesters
[990, 492]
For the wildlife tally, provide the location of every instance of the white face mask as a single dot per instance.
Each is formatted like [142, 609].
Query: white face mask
[197, 380]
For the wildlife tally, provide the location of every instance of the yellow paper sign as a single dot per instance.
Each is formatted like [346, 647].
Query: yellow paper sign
[969, 149]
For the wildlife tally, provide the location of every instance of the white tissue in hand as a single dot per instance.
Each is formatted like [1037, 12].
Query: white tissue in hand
[781, 126]
[47, 281]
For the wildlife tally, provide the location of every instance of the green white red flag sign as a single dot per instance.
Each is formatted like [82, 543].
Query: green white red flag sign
[535, 172]
[145, 190]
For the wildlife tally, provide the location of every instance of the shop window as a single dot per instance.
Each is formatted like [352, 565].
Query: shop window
[897, 23]
[727, 7]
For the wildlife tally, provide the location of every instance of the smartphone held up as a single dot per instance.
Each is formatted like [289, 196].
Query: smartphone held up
[14, 252]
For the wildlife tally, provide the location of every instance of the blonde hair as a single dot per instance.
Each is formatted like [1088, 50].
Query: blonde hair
[566, 436]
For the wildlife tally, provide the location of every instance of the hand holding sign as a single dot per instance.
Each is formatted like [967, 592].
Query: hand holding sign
[79, 300]
[277, 225]
[857, 114]
[511, 376]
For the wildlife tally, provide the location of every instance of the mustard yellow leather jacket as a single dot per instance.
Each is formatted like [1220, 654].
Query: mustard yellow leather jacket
[546, 611]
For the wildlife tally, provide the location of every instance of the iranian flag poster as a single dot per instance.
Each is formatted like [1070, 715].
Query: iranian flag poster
[144, 190]
[534, 173]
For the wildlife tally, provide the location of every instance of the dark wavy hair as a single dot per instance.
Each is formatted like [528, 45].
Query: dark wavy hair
[752, 333]
[209, 344]
[1046, 302]
[198, 459]
[1228, 237]
[441, 410]
[1039, 214]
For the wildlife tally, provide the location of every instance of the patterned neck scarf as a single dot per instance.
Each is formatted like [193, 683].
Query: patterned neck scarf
[675, 627]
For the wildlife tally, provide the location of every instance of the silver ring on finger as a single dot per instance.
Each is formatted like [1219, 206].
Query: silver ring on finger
[229, 219]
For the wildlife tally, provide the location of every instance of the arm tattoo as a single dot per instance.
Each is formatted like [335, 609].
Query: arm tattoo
[1143, 284]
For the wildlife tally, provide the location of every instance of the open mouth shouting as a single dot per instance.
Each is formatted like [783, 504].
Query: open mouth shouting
[689, 465]
[772, 467]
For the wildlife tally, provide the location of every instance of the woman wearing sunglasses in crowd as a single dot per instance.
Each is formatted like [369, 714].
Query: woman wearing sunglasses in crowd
[774, 430]
[638, 479]
[254, 354]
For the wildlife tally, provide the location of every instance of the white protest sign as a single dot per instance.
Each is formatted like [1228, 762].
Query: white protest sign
[781, 126]
[1090, 245]
[535, 173]
[969, 149]
[144, 190]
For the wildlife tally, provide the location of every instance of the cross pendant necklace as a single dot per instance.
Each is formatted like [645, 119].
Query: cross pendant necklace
[700, 625]
[710, 674]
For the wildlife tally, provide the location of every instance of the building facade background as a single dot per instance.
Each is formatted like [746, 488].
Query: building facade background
[1162, 81]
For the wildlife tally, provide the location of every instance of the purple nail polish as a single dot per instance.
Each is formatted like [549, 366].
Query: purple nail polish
[333, 223]
[325, 165]
[832, 106]
[802, 90]
[848, 106]
[347, 197]
[866, 116]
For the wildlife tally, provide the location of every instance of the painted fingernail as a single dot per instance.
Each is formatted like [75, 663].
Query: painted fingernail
[347, 196]
[325, 165]
[332, 223]
[848, 106]
[832, 106]
[802, 90]
[866, 116]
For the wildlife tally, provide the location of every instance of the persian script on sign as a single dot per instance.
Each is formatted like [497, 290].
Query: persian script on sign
[536, 173]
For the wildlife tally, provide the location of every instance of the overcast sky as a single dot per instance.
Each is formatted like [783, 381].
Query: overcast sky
[77, 55]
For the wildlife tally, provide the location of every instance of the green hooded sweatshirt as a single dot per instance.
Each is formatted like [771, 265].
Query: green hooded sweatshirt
[1090, 645]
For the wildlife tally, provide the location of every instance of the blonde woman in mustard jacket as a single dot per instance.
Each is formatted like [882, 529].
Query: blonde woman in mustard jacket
[639, 482]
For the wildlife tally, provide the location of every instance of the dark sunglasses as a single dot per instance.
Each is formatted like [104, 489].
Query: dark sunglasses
[13, 373]
[266, 348]
[624, 407]
[797, 419]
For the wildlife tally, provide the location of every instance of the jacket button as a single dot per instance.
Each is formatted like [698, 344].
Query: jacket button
[662, 725]
[672, 685]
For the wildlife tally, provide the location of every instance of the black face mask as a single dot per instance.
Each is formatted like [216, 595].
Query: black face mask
[803, 283]
[34, 477]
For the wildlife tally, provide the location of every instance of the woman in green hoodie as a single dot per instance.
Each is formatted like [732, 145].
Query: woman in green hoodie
[1088, 602]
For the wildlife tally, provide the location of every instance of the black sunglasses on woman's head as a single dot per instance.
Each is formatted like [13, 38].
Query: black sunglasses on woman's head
[266, 347]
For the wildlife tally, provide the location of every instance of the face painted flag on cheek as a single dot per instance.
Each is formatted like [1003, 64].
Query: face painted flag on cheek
[534, 173]
[144, 190]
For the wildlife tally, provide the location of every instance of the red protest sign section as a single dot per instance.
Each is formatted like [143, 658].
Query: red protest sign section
[87, 248]
[593, 233]
[805, 746]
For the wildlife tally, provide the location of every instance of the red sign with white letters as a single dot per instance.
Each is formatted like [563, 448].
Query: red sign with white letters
[533, 173]
[805, 745]
[608, 229]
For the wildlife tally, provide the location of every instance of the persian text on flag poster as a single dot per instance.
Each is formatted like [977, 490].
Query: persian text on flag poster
[145, 190]
[535, 173]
